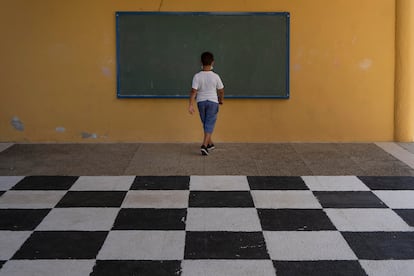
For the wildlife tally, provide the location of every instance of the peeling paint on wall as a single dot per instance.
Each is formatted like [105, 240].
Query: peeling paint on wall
[86, 135]
[17, 124]
[365, 64]
[106, 71]
[60, 129]
[354, 40]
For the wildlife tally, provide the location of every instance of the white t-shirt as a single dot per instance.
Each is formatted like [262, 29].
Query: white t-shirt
[206, 83]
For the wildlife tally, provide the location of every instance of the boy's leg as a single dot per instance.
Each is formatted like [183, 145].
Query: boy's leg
[208, 115]
[210, 144]
[202, 108]
[210, 122]
[207, 139]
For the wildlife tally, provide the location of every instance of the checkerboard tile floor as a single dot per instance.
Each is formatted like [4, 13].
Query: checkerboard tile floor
[206, 225]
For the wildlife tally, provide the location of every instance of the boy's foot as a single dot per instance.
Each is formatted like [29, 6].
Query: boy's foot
[210, 147]
[204, 150]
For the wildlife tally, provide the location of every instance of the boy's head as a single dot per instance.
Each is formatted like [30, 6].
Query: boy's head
[207, 58]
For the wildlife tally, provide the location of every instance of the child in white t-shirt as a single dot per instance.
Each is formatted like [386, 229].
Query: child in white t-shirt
[206, 84]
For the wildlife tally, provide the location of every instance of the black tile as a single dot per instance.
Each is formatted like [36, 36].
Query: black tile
[151, 219]
[221, 199]
[388, 182]
[407, 215]
[349, 200]
[132, 268]
[294, 220]
[381, 245]
[319, 268]
[225, 245]
[161, 183]
[21, 219]
[45, 183]
[62, 245]
[92, 199]
[276, 183]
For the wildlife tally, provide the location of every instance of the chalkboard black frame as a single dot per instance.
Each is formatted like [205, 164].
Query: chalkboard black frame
[119, 14]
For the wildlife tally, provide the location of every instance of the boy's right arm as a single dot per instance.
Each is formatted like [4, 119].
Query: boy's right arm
[193, 94]
[220, 90]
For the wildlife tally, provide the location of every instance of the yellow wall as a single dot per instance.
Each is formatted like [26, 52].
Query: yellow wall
[404, 71]
[58, 70]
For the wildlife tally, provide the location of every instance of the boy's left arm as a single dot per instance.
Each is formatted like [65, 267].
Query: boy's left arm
[193, 94]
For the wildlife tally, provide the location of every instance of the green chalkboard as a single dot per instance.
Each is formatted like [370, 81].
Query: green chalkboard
[158, 53]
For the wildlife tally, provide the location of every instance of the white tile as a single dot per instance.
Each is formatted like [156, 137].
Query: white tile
[285, 199]
[334, 183]
[156, 199]
[313, 245]
[143, 245]
[389, 267]
[7, 182]
[47, 268]
[227, 268]
[222, 219]
[30, 199]
[79, 219]
[367, 220]
[219, 183]
[11, 241]
[397, 199]
[103, 183]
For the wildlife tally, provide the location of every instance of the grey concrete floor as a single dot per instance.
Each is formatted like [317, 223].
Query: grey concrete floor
[285, 159]
[408, 146]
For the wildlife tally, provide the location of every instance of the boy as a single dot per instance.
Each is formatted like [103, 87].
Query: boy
[205, 86]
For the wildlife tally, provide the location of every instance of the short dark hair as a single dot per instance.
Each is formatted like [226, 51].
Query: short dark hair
[207, 58]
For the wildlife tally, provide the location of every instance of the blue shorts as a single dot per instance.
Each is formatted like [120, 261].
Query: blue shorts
[208, 114]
